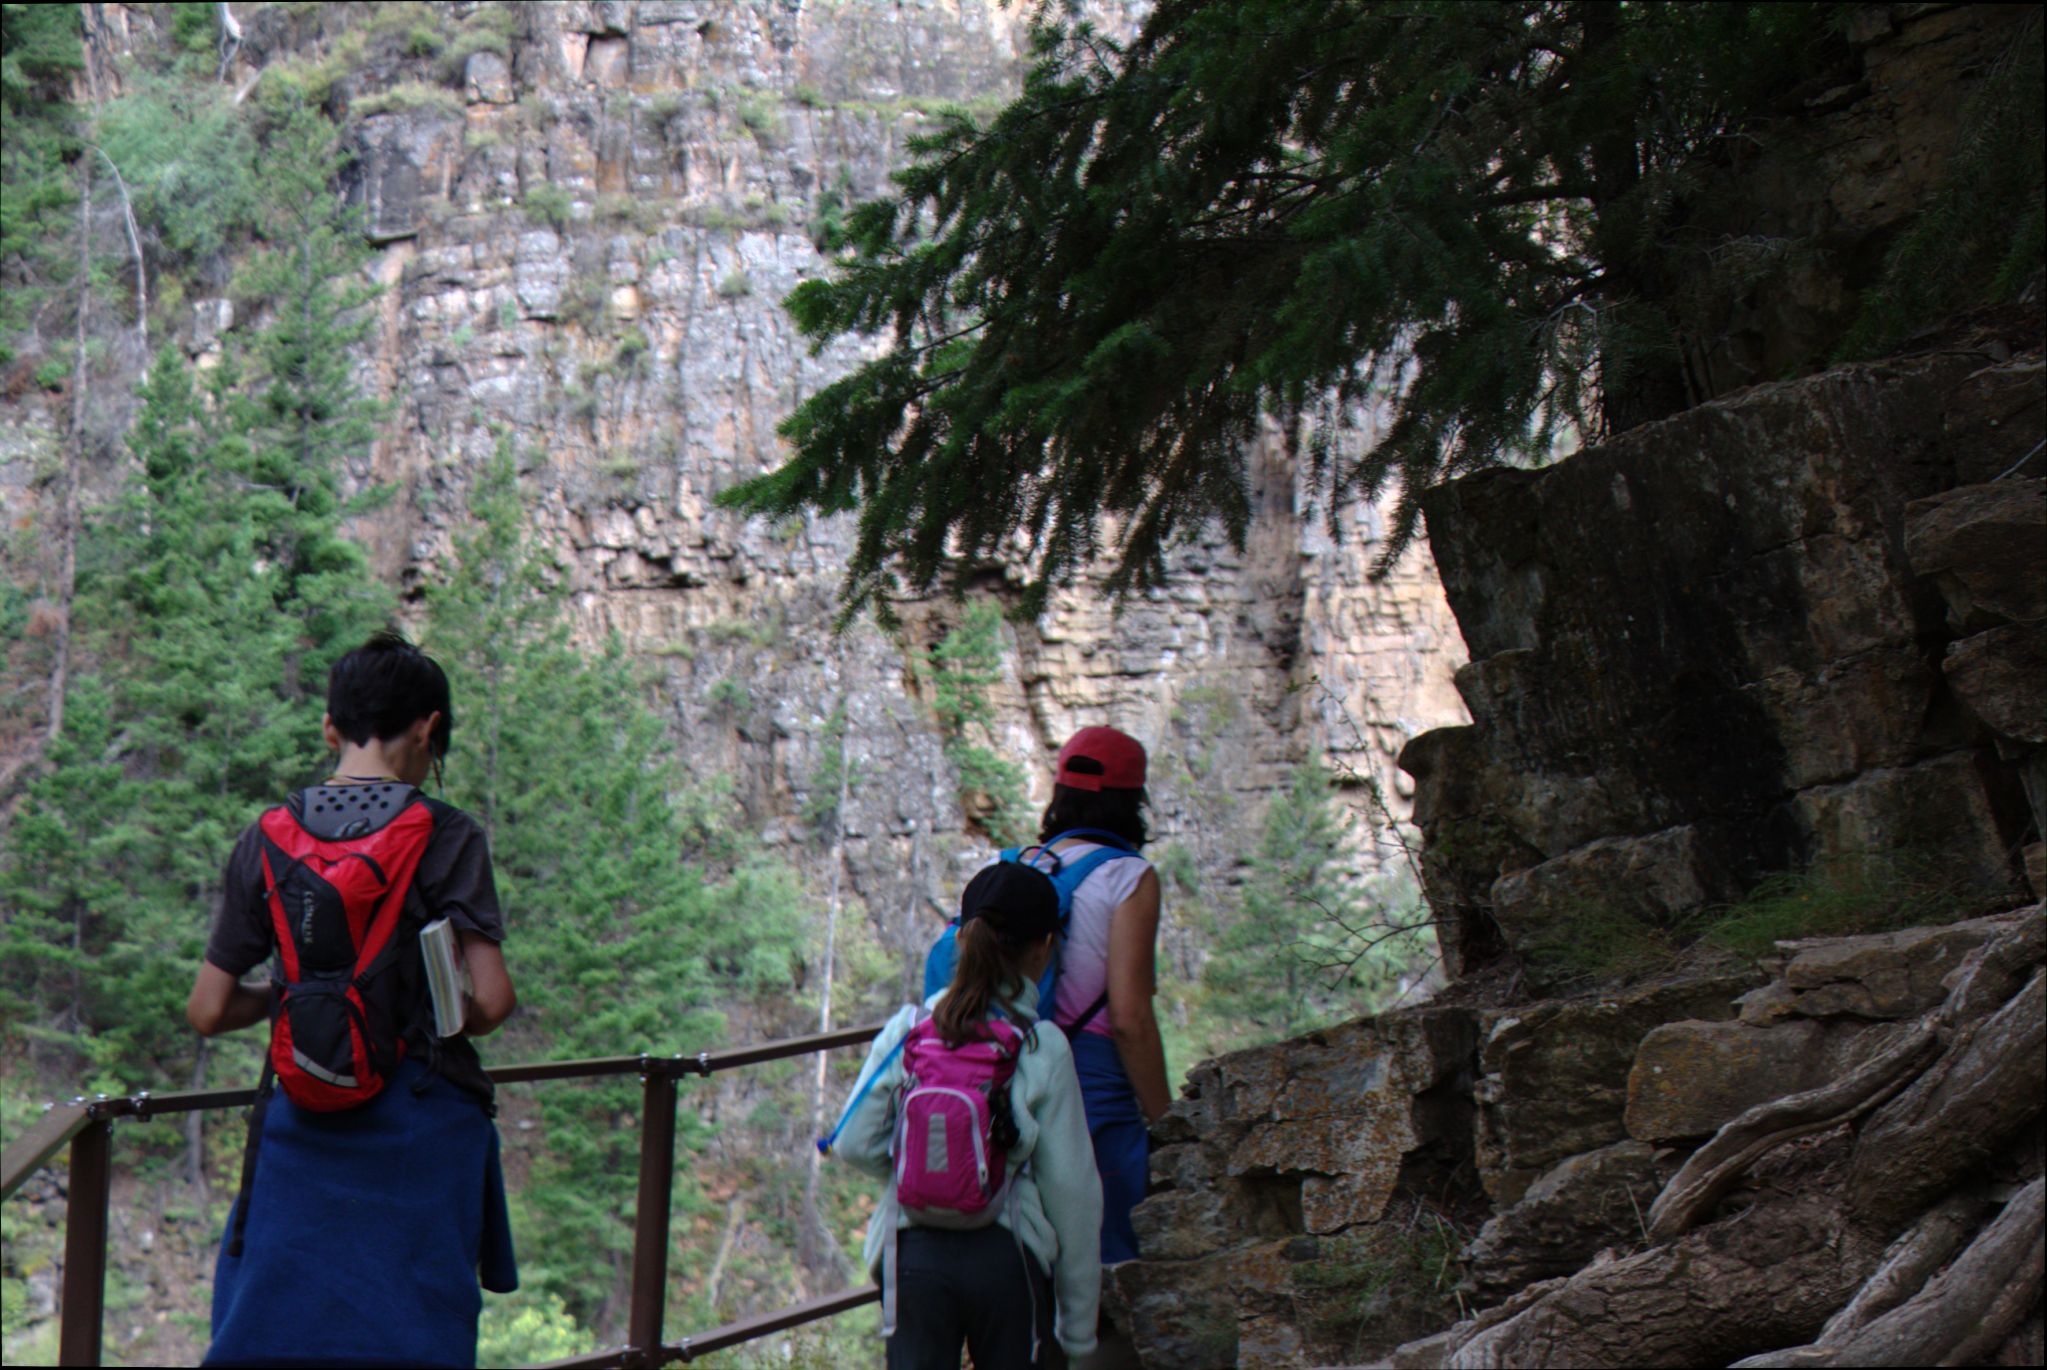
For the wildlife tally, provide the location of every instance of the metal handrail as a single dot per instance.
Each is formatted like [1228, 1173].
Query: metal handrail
[87, 1126]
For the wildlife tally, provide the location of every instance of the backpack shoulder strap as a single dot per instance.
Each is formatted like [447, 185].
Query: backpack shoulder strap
[1074, 873]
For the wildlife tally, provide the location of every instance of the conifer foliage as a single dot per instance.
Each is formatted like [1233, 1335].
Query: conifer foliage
[619, 938]
[210, 603]
[1305, 208]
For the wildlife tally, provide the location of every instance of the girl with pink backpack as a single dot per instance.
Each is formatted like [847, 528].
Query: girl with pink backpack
[988, 1232]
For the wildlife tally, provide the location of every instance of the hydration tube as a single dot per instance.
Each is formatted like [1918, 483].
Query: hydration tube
[824, 1144]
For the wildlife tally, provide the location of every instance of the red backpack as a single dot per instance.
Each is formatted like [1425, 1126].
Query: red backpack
[338, 861]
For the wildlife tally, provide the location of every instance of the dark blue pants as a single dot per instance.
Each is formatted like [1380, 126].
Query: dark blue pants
[977, 1289]
[1122, 1141]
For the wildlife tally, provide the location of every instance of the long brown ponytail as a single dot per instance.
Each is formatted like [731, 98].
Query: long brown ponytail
[988, 965]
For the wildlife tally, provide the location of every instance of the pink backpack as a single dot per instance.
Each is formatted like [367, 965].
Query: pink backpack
[950, 1171]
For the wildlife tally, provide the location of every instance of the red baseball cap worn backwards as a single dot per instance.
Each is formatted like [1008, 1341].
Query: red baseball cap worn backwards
[1120, 756]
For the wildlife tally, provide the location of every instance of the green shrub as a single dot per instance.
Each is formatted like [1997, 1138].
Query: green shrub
[729, 696]
[529, 1328]
[1837, 898]
[408, 96]
[548, 203]
[470, 41]
[735, 284]
[761, 119]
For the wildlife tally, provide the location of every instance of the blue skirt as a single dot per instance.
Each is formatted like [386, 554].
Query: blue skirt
[368, 1234]
[1122, 1141]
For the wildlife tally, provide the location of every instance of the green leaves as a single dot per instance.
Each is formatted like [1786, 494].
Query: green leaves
[1300, 210]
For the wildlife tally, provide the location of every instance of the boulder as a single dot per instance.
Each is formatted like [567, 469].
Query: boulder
[1183, 1314]
[1942, 809]
[608, 60]
[540, 273]
[1269, 1147]
[399, 157]
[1340, 1111]
[1579, 1206]
[1701, 656]
[1986, 547]
[1458, 793]
[1876, 975]
[1652, 880]
[1691, 1078]
[2001, 674]
[487, 79]
[1554, 1080]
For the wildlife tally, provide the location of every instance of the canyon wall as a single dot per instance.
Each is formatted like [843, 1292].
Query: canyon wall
[583, 243]
[1797, 629]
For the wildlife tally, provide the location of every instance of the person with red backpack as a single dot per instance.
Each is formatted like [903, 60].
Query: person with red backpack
[372, 1202]
[988, 1230]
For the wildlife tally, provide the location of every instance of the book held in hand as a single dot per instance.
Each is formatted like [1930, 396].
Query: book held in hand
[444, 975]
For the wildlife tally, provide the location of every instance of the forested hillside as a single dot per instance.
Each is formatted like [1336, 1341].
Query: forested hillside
[253, 410]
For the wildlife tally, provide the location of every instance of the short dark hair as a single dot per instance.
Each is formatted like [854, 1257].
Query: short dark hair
[1117, 811]
[385, 686]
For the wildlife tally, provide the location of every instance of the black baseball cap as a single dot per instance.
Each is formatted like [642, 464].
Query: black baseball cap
[1018, 901]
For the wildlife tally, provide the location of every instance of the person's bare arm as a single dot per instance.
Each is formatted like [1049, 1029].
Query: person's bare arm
[220, 1003]
[491, 997]
[1133, 942]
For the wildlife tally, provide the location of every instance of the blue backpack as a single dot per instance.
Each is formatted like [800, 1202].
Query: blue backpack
[1067, 876]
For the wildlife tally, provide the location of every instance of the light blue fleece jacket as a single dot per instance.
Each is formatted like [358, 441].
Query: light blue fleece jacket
[1058, 1196]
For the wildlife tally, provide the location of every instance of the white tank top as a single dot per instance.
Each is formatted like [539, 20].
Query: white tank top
[1084, 956]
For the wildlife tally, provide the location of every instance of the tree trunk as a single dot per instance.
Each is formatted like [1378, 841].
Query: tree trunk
[733, 1212]
[195, 1134]
[74, 463]
[135, 248]
[1641, 366]
[817, 1237]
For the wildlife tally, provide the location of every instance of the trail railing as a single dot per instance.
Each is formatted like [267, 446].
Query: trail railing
[87, 1126]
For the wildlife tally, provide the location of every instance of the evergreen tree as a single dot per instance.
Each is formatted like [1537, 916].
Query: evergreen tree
[1474, 217]
[1311, 942]
[40, 53]
[210, 604]
[619, 941]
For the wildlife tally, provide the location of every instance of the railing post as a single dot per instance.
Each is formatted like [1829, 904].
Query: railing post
[650, 1221]
[85, 1245]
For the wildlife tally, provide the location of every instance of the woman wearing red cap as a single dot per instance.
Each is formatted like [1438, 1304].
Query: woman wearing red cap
[1106, 977]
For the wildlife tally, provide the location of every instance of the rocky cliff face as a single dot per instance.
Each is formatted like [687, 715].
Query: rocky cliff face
[1327, 1200]
[1797, 626]
[584, 241]
[1743, 641]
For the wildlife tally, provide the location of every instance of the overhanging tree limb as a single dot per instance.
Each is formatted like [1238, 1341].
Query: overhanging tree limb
[1158, 247]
